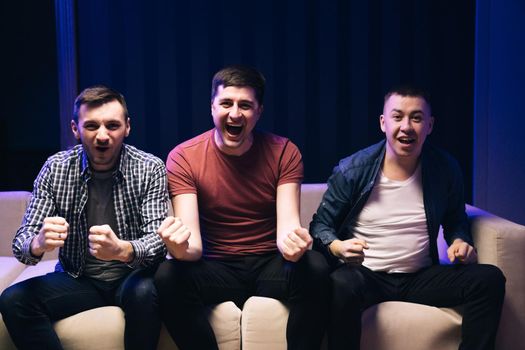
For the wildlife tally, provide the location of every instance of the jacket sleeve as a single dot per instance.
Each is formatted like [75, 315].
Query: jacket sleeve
[331, 213]
[455, 222]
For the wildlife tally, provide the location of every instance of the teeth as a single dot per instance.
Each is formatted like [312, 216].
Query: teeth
[406, 140]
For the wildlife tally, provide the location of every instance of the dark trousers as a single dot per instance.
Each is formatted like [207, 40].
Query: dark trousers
[478, 288]
[187, 289]
[30, 307]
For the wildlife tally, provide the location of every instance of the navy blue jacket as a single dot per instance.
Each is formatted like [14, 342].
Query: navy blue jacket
[353, 179]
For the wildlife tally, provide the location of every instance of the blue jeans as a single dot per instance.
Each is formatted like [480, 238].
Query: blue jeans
[30, 308]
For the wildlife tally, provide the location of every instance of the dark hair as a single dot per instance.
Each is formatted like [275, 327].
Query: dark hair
[96, 96]
[409, 90]
[240, 76]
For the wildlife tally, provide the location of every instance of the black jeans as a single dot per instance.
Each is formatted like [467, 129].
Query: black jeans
[30, 307]
[479, 288]
[186, 289]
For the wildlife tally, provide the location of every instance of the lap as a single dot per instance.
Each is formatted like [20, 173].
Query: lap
[437, 285]
[57, 294]
[446, 285]
[237, 279]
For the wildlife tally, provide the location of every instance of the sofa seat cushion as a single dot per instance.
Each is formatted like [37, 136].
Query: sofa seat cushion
[386, 326]
[102, 327]
[225, 320]
[11, 269]
[42, 268]
[263, 324]
[396, 325]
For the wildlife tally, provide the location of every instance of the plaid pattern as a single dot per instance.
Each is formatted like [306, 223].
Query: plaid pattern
[140, 197]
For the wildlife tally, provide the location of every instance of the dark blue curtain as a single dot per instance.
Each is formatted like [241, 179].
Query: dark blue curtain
[327, 64]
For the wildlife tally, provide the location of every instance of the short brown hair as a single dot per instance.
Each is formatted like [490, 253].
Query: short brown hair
[240, 76]
[96, 96]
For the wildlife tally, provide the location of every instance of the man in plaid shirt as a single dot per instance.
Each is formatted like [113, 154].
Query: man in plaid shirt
[100, 203]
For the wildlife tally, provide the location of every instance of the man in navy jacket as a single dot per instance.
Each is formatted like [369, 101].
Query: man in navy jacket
[378, 223]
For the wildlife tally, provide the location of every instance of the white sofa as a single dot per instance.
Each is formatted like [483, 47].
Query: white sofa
[262, 322]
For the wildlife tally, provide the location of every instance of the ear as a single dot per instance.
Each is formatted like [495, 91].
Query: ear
[128, 126]
[74, 128]
[382, 122]
[430, 125]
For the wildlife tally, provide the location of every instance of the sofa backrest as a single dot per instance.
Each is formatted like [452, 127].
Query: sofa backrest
[311, 195]
[12, 208]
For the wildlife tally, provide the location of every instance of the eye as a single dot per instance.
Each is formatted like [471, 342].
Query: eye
[90, 126]
[245, 106]
[226, 104]
[417, 118]
[397, 117]
[113, 126]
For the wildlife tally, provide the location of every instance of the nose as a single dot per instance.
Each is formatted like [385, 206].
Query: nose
[406, 124]
[102, 135]
[235, 112]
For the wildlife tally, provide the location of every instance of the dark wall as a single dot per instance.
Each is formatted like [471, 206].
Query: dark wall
[327, 63]
[29, 121]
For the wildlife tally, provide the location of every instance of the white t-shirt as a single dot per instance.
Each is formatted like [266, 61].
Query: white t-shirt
[393, 223]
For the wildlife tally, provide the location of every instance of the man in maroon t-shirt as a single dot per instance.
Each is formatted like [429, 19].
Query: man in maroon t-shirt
[236, 231]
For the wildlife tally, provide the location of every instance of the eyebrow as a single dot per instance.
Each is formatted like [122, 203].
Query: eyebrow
[412, 112]
[227, 99]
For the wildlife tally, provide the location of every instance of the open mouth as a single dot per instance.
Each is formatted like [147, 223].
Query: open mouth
[234, 129]
[101, 149]
[406, 140]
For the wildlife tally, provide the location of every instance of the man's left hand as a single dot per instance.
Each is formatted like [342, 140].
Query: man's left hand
[463, 252]
[105, 245]
[295, 244]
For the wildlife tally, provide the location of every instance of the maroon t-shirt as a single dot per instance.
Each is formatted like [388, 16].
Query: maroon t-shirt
[236, 194]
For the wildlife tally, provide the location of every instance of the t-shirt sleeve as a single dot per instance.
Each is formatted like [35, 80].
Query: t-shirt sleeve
[291, 168]
[179, 171]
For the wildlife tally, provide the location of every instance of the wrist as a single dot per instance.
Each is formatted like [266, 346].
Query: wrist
[127, 253]
[331, 246]
[34, 248]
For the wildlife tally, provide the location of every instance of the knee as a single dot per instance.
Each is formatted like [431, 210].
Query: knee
[316, 267]
[12, 298]
[347, 283]
[492, 280]
[168, 276]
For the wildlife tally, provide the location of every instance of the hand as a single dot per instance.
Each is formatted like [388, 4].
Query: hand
[52, 235]
[350, 250]
[105, 245]
[462, 251]
[175, 235]
[295, 244]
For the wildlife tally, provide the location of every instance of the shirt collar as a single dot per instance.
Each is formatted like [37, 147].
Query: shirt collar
[118, 175]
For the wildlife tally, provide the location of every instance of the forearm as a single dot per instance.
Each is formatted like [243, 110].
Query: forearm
[189, 254]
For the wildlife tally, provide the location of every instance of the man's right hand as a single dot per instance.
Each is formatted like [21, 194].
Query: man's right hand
[350, 251]
[52, 235]
[175, 235]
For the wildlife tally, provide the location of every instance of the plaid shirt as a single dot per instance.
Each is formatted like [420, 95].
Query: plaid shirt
[61, 189]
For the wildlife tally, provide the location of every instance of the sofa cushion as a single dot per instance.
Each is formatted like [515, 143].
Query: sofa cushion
[10, 270]
[42, 268]
[397, 326]
[386, 326]
[13, 206]
[263, 324]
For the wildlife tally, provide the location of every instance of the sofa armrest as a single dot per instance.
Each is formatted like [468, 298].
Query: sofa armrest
[501, 242]
[13, 204]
